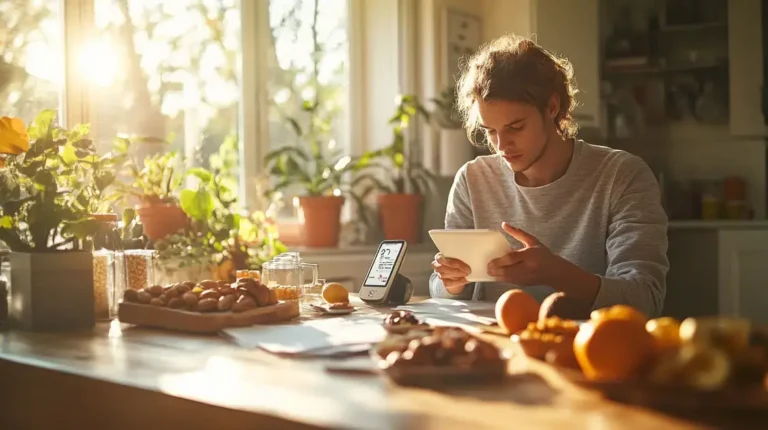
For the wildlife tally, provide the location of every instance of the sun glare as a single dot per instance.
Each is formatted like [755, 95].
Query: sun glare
[99, 63]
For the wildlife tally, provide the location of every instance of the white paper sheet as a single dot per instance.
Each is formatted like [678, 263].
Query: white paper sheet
[451, 307]
[311, 336]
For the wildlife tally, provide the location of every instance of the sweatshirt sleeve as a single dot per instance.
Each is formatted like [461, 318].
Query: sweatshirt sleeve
[458, 215]
[637, 242]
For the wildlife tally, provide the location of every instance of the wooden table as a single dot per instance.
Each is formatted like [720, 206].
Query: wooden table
[126, 377]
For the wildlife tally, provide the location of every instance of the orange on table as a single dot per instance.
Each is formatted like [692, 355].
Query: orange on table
[618, 312]
[334, 292]
[515, 309]
[665, 332]
[613, 347]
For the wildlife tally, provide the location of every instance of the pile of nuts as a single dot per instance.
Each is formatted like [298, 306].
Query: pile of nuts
[550, 339]
[401, 318]
[282, 292]
[206, 296]
[445, 346]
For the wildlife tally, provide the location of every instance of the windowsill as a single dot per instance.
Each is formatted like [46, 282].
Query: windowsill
[367, 250]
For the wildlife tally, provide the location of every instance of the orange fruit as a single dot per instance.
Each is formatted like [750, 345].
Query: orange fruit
[618, 312]
[613, 349]
[665, 332]
[515, 309]
[333, 292]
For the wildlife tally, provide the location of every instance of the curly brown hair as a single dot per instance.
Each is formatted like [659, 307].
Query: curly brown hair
[516, 69]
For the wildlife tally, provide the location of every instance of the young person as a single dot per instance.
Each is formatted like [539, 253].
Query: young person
[583, 219]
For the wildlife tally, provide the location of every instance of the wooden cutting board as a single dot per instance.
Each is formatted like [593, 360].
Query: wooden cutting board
[208, 322]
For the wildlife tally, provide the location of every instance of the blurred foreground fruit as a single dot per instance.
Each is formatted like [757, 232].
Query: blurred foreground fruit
[665, 332]
[614, 345]
[728, 333]
[695, 366]
[515, 309]
[565, 307]
[618, 311]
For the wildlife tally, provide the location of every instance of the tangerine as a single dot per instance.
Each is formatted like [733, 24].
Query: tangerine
[613, 349]
[515, 309]
[618, 312]
[333, 292]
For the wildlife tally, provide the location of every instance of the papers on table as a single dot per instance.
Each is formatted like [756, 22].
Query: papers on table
[313, 337]
[453, 311]
[355, 333]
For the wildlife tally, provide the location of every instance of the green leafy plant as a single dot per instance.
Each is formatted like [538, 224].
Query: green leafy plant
[157, 179]
[446, 114]
[49, 191]
[221, 234]
[314, 164]
[132, 231]
[401, 174]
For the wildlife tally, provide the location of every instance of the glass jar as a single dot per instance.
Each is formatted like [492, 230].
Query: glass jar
[139, 268]
[108, 234]
[104, 290]
[5, 290]
[284, 277]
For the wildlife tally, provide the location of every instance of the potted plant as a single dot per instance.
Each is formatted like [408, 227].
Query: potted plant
[405, 182]
[221, 239]
[319, 169]
[51, 181]
[455, 148]
[155, 183]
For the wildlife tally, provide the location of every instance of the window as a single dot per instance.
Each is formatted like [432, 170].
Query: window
[181, 70]
[167, 70]
[308, 55]
[31, 60]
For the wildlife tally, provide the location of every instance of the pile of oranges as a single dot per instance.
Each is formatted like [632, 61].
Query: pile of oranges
[620, 343]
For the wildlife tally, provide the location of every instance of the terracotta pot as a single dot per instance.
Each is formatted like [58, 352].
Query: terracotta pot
[161, 220]
[401, 216]
[320, 219]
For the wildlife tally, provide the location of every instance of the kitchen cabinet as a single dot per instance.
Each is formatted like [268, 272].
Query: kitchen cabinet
[745, 48]
[577, 30]
[718, 270]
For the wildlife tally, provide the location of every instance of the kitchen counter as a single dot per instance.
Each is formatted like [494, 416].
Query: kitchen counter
[719, 224]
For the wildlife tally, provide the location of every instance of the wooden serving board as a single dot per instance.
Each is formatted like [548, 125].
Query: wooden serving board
[208, 322]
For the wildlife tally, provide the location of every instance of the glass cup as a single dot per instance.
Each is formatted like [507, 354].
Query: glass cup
[310, 294]
[284, 277]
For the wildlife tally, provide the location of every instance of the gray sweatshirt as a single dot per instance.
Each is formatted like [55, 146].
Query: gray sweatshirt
[604, 215]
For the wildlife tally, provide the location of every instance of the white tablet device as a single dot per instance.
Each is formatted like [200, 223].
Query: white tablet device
[477, 248]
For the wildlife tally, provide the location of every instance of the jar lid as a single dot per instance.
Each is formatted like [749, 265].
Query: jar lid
[105, 217]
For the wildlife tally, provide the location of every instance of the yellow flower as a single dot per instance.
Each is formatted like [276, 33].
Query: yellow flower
[14, 139]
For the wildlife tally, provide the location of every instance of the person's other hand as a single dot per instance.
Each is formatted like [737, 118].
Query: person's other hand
[452, 272]
[534, 264]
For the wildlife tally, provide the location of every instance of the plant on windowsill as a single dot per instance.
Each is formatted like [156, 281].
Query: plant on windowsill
[401, 182]
[455, 148]
[155, 182]
[51, 182]
[320, 170]
[221, 238]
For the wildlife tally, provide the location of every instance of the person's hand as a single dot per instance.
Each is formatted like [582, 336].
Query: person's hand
[452, 272]
[534, 264]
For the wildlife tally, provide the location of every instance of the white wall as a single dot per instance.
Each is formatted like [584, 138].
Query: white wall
[509, 16]
[380, 75]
